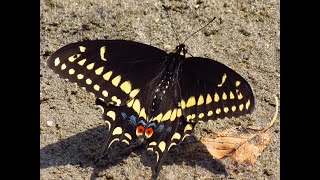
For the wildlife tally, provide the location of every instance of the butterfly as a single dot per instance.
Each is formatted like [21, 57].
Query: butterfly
[148, 93]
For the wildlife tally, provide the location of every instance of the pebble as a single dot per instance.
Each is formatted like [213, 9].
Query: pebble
[50, 123]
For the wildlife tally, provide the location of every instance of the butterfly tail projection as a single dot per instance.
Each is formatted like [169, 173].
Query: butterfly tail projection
[168, 134]
[121, 122]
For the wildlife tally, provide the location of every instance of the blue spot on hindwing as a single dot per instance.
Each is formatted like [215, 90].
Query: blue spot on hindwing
[142, 122]
[132, 120]
[169, 129]
[124, 115]
[160, 128]
[152, 125]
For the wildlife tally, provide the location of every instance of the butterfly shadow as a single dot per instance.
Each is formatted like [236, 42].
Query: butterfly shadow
[190, 152]
[81, 150]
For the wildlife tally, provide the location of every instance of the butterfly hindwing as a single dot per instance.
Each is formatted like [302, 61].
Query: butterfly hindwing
[114, 70]
[211, 90]
[168, 133]
[121, 122]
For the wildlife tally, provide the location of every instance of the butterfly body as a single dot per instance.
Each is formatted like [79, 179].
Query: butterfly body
[146, 92]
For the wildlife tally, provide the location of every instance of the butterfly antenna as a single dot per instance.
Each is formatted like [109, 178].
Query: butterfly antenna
[199, 29]
[171, 22]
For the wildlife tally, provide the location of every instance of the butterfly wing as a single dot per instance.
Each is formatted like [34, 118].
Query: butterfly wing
[211, 90]
[114, 70]
[122, 123]
[168, 133]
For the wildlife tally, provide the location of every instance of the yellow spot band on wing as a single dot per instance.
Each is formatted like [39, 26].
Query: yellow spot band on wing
[112, 115]
[125, 141]
[117, 130]
[56, 61]
[216, 97]
[231, 95]
[187, 128]
[183, 104]
[99, 70]
[186, 135]
[224, 96]
[90, 66]
[241, 107]
[114, 140]
[166, 116]
[248, 104]
[134, 92]
[82, 48]
[158, 117]
[172, 144]
[176, 136]
[179, 112]
[63, 66]
[116, 100]
[237, 83]
[74, 57]
[102, 53]
[162, 146]
[128, 136]
[109, 124]
[81, 63]
[88, 81]
[157, 153]
[208, 99]
[136, 106]
[153, 143]
[96, 87]
[80, 76]
[71, 71]
[126, 87]
[233, 108]
[143, 113]
[200, 100]
[173, 115]
[239, 94]
[224, 77]
[107, 75]
[115, 81]
[191, 101]
[105, 93]
[130, 103]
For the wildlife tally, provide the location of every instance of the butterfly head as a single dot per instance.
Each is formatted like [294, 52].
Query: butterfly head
[182, 49]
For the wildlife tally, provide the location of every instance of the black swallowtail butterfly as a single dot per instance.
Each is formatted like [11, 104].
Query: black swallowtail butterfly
[147, 92]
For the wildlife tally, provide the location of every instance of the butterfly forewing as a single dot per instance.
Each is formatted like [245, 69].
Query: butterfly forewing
[211, 90]
[114, 70]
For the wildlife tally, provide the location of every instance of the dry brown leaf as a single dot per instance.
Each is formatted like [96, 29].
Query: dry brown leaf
[223, 145]
[249, 152]
[243, 147]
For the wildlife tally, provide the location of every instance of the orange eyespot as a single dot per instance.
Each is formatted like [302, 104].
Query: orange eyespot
[149, 132]
[140, 130]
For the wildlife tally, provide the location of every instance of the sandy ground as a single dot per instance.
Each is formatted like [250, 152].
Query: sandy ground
[245, 36]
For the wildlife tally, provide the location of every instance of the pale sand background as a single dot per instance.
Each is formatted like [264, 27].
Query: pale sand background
[245, 36]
